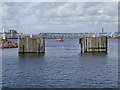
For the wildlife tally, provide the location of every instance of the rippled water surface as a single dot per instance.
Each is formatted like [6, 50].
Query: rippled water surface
[62, 66]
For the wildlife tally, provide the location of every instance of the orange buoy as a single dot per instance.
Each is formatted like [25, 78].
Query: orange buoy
[59, 40]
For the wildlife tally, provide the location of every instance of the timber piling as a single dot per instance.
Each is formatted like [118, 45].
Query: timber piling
[94, 44]
[31, 44]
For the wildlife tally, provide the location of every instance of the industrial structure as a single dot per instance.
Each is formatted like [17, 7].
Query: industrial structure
[36, 44]
[94, 44]
[9, 34]
[31, 44]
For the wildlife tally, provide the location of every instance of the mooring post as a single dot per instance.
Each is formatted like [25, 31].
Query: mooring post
[94, 44]
[98, 46]
[106, 44]
[81, 42]
[81, 48]
[23, 48]
[32, 44]
[38, 48]
[86, 44]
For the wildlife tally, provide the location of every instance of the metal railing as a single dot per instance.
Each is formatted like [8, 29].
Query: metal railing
[61, 35]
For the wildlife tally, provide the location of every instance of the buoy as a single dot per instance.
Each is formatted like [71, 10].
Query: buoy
[59, 40]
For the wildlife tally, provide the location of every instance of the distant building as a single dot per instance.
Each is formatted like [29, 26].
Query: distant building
[102, 30]
[13, 33]
[9, 34]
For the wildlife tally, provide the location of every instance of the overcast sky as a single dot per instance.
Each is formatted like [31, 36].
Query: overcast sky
[60, 16]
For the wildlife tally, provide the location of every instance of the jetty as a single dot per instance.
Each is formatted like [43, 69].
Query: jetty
[31, 44]
[93, 44]
[36, 44]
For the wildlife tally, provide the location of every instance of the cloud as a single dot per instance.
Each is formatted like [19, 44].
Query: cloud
[36, 17]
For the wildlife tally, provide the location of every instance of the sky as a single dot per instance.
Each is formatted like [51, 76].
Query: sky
[60, 17]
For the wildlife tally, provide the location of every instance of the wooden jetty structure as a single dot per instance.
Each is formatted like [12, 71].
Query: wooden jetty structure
[36, 44]
[29, 44]
[93, 44]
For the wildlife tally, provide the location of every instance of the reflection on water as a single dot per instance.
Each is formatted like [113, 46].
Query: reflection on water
[62, 66]
[94, 54]
[30, 55]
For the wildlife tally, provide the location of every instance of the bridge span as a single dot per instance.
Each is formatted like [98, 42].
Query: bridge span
[65, 35]
[69, 35]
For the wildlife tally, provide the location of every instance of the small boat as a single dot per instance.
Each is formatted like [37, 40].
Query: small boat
[59, 40]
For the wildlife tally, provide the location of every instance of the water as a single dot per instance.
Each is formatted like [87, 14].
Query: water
[62, 66]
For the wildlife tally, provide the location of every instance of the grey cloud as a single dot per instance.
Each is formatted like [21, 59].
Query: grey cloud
[59, 17]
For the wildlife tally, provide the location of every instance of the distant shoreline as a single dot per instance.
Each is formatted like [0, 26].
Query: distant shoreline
[66, 38]
[11, 38]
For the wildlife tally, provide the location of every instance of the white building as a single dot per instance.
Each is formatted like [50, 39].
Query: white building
[10, 34]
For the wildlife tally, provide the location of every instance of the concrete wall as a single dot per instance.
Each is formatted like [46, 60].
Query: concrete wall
[31, 45]
[95, 44]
